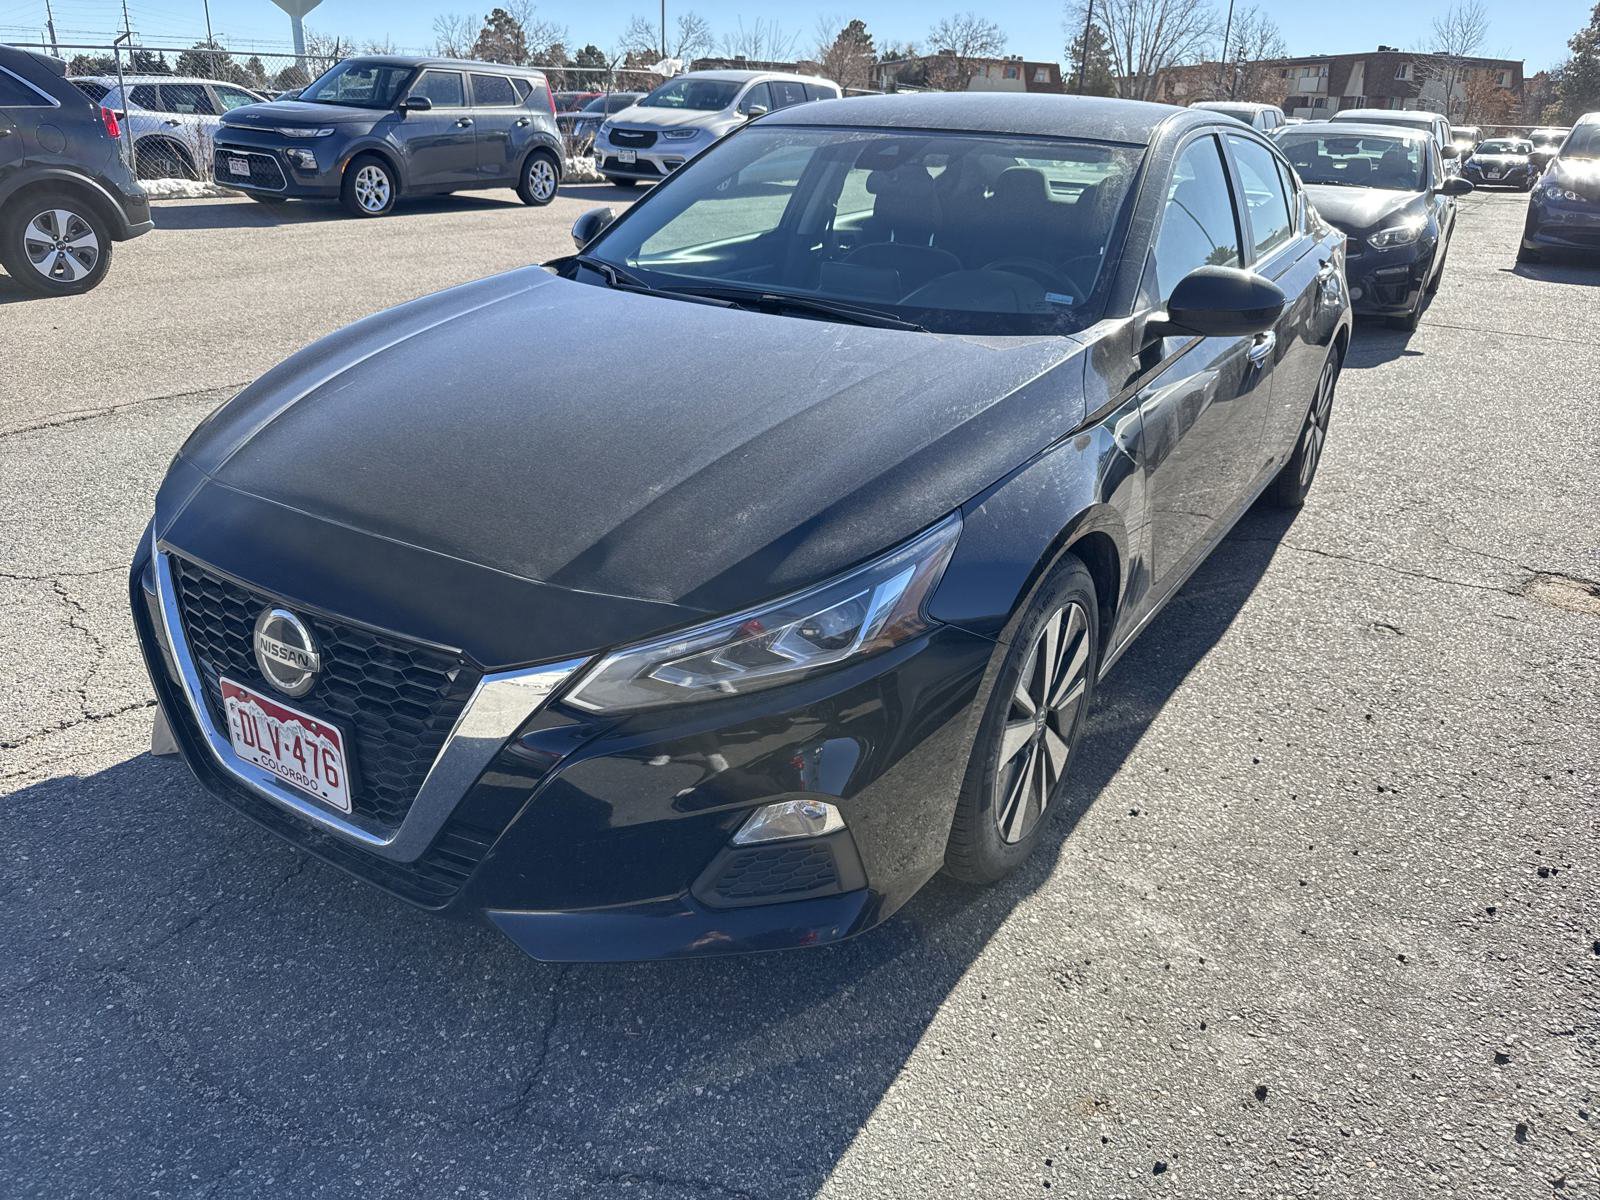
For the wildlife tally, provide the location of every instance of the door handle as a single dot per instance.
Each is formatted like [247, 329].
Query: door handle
[463, 121]
[173, 122]
[1262, 347]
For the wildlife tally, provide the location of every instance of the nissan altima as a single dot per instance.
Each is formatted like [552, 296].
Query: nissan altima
[1385, 187]
[731, 638]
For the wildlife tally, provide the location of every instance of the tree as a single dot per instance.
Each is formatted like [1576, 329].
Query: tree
[1247, 64]
[689, 37]
[1456, 36]
[593, 75]
[761, 41]
[1145, 37]
[1484, 101]
[256, 71]
[1098, 79]
[1579, 83]
[960, 45]
[501, 40]
[847, 57]
[454, 35]
[92, 64]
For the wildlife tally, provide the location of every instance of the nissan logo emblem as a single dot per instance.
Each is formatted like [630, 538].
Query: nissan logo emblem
[285, 652]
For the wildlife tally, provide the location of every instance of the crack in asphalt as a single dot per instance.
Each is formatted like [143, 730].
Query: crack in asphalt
[75, 416]
[62, 726]
[1356, 560]
[517, 1104]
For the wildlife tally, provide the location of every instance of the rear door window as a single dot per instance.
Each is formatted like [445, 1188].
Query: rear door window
[786, 93]
[95, 91]
[756, 97]
[144, 96]
[232, 97]
[446, 89]
[493, 91]
[1268, 205]
[191, 99]
[14, 93]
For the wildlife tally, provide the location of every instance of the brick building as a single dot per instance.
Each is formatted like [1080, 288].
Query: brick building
[1011, 74]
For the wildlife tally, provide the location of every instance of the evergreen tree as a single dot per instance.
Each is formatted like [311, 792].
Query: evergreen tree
[501, 40]
[1099, 79]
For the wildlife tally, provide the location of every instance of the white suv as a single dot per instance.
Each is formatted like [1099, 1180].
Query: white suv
[646, 143]
[171, 119]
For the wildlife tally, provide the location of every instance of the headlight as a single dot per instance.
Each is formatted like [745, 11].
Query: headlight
[680, 135]
[301, 158]
[1403, 234]
[1554, 192]
[288, 131]
[867, 610]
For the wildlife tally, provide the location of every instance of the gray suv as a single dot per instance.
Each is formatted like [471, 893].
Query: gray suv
[376, 127]
[65, 192]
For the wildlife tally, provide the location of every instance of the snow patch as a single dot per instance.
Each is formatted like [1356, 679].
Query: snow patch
[580, 169]
[184, 189]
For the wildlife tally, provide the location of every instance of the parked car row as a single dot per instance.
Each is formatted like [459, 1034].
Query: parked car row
[170, 120]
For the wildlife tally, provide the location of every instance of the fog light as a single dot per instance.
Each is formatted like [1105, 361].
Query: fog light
[304, 159]
[789, 819]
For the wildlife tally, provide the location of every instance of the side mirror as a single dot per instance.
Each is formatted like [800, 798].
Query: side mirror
[754, 111]
[1449, 151]
[416, 104]
[1455, 186]
[591, 225]
[1225, 302]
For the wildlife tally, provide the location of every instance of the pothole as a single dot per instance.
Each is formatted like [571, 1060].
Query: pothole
[1566, 592]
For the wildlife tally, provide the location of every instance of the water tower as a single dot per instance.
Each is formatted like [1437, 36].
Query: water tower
[297, 9]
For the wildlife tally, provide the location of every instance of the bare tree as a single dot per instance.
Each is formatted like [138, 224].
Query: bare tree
[1247, 64]
[960, 44]
[689, 37]
[1145, 37]
[761, 41]
[1456, 36]
[454, 34]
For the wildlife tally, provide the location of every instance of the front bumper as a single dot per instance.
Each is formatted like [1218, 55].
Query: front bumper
[275, 165]
[1569, 225]
[1518, 177]
[1386, 283]
[588, 838]
[651, 163]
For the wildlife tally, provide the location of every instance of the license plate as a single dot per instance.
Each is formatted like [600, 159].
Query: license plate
[239, 166]
[627, 157]
[304, 752]
[1493, 174]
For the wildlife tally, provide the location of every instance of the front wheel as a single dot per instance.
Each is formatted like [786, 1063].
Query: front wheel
[54, 245]
[369, 188]
[1030, 730]
[540, 178]
[1293, 482]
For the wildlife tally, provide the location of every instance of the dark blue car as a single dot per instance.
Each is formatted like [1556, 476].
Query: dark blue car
[374, 129]
[1564, 210]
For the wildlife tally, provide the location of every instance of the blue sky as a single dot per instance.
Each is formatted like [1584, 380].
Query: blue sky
[1535, 30]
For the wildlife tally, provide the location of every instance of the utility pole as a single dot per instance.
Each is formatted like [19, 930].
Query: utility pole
[1083, 49]
[663, 28]
[1227, 33]
[50, 23]
[210, 41]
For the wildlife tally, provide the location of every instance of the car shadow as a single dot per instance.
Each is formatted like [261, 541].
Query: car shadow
[602, 193]
[1583, 272]
[243, 212]
[12, 292]
[242, 958]
[1374, 343]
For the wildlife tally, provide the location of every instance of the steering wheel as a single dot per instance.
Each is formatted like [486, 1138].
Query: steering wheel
[1051, 278]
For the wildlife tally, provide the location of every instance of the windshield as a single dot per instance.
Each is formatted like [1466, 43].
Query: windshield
[1582, 142]
[1505, 146]
[359, 84]
[700, 95]
[573, 101]
[1369, 161]
[957, 233]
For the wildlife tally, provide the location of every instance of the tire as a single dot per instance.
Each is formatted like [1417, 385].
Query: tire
[1292, 484]
[541, 176]
[369, 188]
[1020, 761]
[619, 181]
[52, 244]
[162, 158]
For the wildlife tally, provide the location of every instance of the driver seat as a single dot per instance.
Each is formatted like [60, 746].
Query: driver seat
[906, 217]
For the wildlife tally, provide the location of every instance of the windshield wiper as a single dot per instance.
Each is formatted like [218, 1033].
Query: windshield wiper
[623, 280]
[776, 302]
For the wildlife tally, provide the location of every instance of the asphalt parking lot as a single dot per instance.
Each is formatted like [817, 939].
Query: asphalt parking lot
[1322, 918]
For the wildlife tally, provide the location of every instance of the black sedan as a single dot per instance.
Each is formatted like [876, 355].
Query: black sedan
[1564, 210]
[732, 638]
[1502, 162]
[1385, 187]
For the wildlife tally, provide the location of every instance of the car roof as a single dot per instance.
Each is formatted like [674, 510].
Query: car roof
[1370, 129]
[427, 60]
[1386, 115]
[141, 80]
[1216, 105]
[1019, 113]
[747, 76]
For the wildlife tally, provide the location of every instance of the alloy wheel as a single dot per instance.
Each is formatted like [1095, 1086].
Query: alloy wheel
[373, 188]
[1036, 738]
[541, 179]
[1316, 430]
[61, 245]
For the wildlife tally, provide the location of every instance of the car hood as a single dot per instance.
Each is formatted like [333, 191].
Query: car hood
[1581, 175]
[298, 112]
[1356, 209]
[638, 117]
[631, 446]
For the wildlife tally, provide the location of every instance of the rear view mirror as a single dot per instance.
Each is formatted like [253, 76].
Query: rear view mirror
[1225, 302]
[1455, 186]
[416, 104]
[591, 225]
